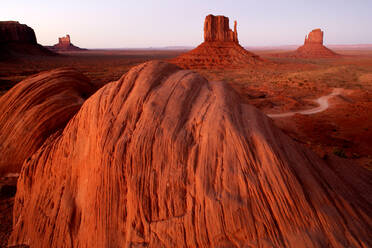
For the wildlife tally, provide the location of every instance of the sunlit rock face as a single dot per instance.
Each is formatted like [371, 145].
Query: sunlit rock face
[164, 158]
[34, 109]
[314, 37]
[217, 28]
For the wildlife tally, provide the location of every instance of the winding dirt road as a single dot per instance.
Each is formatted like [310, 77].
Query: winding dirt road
[322, 101]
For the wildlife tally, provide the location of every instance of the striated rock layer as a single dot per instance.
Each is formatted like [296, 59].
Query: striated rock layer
[34, 109]
[219, 50]
[164, 158]
[313, 46]
[64, 44]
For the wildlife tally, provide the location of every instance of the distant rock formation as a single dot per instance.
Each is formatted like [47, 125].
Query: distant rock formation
[313, 46]
[34, 109]
[314, 37]
[13, 31]
[18, 40]
[64, 44]
[216, 28]
[164, 158]
[219, 50]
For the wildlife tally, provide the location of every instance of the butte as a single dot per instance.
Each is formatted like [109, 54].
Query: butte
[64, 45]
[313, 46]
[219, 50]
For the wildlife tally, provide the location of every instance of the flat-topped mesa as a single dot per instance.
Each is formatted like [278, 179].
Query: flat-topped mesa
[217, 28]
[64, 41]
[315, 37]
[13, 31]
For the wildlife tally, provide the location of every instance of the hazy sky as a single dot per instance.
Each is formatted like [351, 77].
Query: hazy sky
[146, 23]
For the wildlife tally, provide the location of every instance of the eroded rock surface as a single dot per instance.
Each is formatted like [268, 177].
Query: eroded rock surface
[219, 50]
[164, 158]
[36, 108]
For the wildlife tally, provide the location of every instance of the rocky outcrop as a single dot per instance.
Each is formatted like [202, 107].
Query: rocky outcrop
[313, 47]
[36, 108]
[216, 28]
[64, 44]
[314, 37]
[19, 40]
[164, 158]
[219, 50]
[12, 31]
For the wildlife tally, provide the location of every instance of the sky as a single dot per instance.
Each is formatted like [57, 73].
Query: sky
[160, 23]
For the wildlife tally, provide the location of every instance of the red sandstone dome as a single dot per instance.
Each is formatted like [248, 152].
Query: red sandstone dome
[36, 108]
[64, 44]
[164, 158]
[313, 46]
[220, 48]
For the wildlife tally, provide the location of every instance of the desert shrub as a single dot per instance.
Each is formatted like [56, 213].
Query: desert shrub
[339, 152]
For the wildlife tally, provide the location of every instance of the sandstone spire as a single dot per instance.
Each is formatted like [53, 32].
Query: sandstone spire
[217, 28]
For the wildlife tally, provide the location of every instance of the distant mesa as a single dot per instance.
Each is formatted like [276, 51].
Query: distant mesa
[220, 48]
[17, 40]
[64, 44]
[313, 46]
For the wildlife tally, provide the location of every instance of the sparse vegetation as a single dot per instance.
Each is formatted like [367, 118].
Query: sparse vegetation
[339, 152]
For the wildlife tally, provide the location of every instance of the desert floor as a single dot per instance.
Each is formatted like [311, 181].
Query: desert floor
[282, 85]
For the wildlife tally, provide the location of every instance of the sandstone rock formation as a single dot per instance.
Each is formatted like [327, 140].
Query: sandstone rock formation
[164, 158]
[216, 28]
[64, 44]
[17, 40]
[313, 46]
[220, 48]
[36, 108]
[12, 31]
[314, 37]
